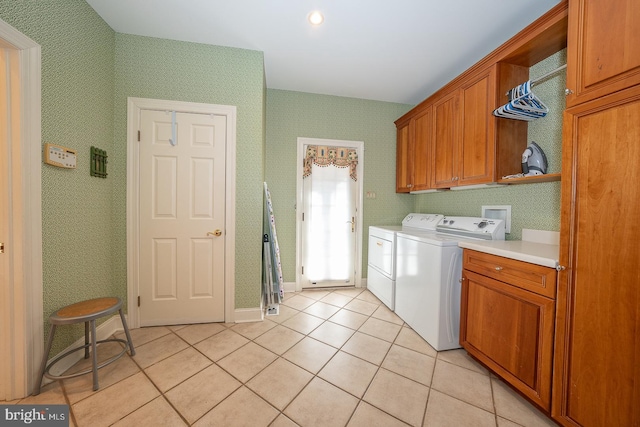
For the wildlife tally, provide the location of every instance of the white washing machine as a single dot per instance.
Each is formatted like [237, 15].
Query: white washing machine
[428, 272]
[381, 271]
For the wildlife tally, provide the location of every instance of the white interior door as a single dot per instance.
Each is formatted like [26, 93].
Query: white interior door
[329, 224]
[182, 218]
[21, 314]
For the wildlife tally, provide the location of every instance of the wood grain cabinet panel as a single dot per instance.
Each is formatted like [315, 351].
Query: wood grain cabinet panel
[464, 142]
[604, 48]
[477, 144]
[510, 330]
[404, 154]
[422, 146]
[413, 152]
[597, 347]
[444, 152]
[530, 277]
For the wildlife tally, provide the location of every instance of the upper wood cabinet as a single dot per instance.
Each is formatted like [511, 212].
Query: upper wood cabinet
[464, 144]
[604, 48]
[468, 145]
[477, 144]
[444, 162]
[413, 152]
[422, 146]
[404, 156]
[597, 345]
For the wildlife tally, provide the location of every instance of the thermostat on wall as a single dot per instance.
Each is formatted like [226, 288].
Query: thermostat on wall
[57, 155]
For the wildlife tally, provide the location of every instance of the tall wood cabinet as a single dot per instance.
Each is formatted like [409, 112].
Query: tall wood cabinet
[597, 342]
[597, 350]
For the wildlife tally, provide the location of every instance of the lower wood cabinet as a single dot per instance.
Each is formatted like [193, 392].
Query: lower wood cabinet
[508, 328]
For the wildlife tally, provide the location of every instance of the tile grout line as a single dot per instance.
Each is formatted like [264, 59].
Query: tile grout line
[378, 366]
[154, 384]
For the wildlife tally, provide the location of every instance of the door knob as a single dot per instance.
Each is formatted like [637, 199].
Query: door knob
[216, 233]
[353, 224]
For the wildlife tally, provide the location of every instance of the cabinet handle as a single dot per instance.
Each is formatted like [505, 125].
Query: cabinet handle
[379, 244]
[409, 185]
[568, 92]
[498, 268]
[561, 268]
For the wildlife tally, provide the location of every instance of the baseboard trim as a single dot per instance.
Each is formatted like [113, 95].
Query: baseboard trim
[289, 286]
[244, 315]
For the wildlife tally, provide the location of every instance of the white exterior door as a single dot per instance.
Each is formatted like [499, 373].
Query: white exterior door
[182, 218]
[329, 228]
[329, 235]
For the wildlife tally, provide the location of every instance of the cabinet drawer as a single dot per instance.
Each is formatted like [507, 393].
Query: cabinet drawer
[531, 277]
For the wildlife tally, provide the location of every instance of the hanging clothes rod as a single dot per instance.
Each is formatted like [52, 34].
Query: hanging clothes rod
[545, 76]
[549, 74]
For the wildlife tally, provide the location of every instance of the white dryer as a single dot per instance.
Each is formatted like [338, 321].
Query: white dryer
[428, 272]
[381, 271]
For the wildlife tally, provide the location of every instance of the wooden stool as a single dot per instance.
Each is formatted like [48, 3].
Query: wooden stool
[87, 312]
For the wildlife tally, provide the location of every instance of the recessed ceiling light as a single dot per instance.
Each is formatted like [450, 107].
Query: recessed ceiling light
[316, 18]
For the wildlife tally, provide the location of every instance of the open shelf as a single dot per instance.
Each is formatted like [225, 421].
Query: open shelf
[549, 177]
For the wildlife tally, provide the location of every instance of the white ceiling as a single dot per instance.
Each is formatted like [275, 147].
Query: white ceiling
[396, 51]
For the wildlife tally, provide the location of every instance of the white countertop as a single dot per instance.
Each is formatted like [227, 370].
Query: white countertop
[533, 252]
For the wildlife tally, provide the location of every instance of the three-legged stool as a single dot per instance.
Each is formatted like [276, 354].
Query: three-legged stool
[87, 312]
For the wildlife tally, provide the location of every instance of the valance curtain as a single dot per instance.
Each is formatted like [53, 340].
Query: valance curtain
[341, 157]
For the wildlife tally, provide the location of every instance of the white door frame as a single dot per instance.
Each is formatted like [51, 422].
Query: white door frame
[359, 146]
[21, 308]
[134, 105]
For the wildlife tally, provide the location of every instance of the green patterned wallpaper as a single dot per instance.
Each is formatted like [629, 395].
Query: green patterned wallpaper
[77, 112]
[535, 206]
[294, 114]
[164, 69]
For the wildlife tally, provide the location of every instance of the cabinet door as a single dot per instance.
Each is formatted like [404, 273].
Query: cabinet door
[444, 163]
[422, 145]
[404, 163]
[511, 331]
[597, 350]
[603, 48]
[477, 142]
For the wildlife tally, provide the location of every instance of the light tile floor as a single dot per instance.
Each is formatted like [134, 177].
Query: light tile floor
[330, 358]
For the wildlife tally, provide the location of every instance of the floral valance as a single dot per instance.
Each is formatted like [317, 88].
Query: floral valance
[324, 156]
